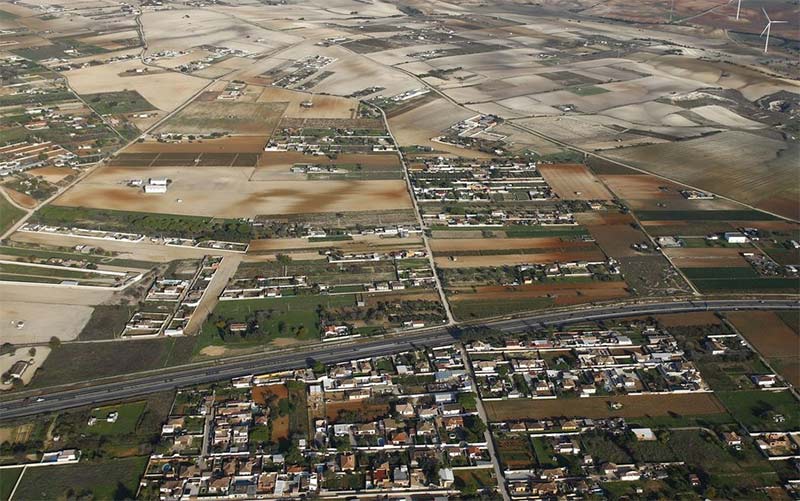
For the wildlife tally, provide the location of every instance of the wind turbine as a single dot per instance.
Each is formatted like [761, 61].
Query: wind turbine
[770, 22]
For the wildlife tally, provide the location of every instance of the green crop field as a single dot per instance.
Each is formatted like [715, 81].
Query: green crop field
[8, 479]
[788, 285]
[719, 273]
[587, 90]
[703, 215]
[126, 101]
[291, 317]
[763, 410]
[113, 479]
[9, 214]
[125, 424]
[149, 224]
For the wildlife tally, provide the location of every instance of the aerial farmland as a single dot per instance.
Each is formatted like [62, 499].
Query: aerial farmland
[197, 184]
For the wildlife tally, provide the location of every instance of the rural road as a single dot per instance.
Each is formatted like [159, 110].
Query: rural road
[139, 385]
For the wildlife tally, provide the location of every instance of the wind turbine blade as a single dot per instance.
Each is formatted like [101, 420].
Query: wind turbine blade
[779, 22]
[765, 30]
[765, 14]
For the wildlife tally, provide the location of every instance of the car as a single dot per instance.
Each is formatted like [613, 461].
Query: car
[40, 399]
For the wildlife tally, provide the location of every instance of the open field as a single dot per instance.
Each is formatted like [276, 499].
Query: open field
[512, 259]
[111, 479]
[229, 192]
[335, 411]
[717, 257]
[752, 169]
[368, 243]
[456, 245]
[62, 320]
[121, 76]
[492, 300]
[775, 340]
[82, 362]
[756, 409]
[321, 106]
[681, 319]
[574, 182]
[228, 144]
[8, 214]
[106, 103]
[614, 232]
[206, 117]
[633, 406]
[22, 199]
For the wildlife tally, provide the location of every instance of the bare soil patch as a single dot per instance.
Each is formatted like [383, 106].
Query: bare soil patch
[232, 144]
[717, 257]
[22, 199]
[574, 182]
[229, 192]
[767, 332]
[633, 406]
[694, 318]
[366, 411]
[515, 259]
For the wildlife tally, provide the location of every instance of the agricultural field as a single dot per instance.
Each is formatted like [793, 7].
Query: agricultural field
[774, 338]
[633, 406]
[110, 479]
[189, 182]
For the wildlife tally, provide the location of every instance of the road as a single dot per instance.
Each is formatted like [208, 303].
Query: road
[57, 399]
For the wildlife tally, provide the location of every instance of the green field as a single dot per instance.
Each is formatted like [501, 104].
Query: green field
[758, 410]
[113, 479]
[129, 414]
[203, 228]
[81, 362]
[787, 285]
[8, 214]
[8, 479]
[719, 273]
[587, 90]
[475, 479]
[288, 317]
[57, 47]
[23, 99]
[703, 215]
[126, 101]
[519, 231]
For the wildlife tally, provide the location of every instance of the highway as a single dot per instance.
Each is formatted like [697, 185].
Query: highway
[137, 385]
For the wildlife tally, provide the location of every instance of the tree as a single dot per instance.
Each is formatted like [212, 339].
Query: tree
[32, 352]
[54, 343]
